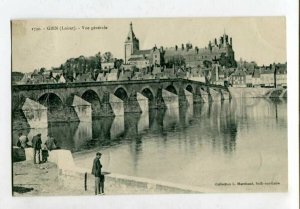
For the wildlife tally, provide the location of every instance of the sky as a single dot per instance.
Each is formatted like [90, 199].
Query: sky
[259, 39]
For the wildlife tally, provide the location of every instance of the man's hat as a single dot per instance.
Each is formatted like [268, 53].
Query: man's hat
[99, 153]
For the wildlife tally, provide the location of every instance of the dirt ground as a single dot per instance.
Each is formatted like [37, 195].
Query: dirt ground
[43, 180]
[36, 179]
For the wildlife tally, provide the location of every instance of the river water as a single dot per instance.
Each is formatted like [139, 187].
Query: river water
[214, 146]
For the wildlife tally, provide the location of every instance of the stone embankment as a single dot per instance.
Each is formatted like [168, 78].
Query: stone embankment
[243, 92]
[60, 176]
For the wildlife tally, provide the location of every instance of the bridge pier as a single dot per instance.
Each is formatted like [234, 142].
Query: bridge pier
[226, 95]
[215, 95]
[132, 105]
[170, 99]
[159, 100]
[143, 102]
[189, 97]
[117, 126]
[117, 105]
[197, 97]
[131, 124]
[185, 98]
[82, 108]
[35, 113]
[143, 122]
[205, 96]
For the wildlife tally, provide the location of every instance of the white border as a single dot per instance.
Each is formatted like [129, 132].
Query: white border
[18, 9]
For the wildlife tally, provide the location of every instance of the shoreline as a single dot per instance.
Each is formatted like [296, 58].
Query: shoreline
[61, 174]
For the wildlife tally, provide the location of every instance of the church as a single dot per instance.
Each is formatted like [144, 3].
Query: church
[137, 57]
[215, 52]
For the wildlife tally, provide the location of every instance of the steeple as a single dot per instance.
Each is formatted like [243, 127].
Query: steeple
[131, 36]
[131, 44]
[225, 38]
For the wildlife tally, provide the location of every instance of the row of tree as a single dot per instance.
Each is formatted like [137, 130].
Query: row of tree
[84, 65]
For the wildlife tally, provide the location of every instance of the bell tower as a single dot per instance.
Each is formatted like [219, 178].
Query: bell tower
[131, 44]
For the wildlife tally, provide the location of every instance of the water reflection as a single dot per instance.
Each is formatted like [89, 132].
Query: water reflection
[214, 122]
[202, 140]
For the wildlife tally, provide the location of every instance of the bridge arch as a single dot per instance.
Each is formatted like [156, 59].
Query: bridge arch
[148, 92]
[203, 88]
[92, 97]
[189, 88]
[121, 93]
[52, 101]
[172, 89]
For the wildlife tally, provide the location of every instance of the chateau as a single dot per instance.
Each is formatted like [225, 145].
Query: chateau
[216, 52]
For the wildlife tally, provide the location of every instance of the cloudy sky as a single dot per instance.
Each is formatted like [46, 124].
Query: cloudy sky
[260, 39]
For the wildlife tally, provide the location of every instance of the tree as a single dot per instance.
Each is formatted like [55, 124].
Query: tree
[227, 62]
[16, 76]
[107, 57]
[42, 70]
[223, 60]
[98, 60]
[207, 63]
[118, 63]
[57, 77]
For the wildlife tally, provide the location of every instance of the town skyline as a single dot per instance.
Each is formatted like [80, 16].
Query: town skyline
[259, 43]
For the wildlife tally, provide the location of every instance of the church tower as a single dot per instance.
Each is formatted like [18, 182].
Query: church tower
[131, 44]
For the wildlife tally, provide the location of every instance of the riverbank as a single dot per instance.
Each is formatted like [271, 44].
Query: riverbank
[249, 92]
[36, 179]
[45, 180]
[60, 176]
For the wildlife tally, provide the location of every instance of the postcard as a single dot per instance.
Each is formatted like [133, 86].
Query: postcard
[149, 106]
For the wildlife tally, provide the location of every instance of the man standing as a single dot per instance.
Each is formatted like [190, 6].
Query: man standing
[36, 144]
[96, 171]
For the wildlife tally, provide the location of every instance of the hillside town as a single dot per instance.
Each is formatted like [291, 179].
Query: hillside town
[213, 64]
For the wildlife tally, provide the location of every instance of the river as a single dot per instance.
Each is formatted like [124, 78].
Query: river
[207, 145]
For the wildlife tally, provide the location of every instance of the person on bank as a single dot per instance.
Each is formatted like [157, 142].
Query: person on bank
[23, 141]
[99, 178]
[45, 153]
[51, 143]
[37, 146]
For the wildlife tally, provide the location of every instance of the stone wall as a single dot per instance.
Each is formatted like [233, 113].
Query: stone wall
[74, 178]
[248, 92]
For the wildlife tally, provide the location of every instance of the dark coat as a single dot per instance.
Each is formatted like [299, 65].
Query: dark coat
[96, 170]
[37, 142]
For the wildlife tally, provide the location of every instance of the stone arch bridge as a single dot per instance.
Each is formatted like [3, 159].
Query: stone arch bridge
[103, 96]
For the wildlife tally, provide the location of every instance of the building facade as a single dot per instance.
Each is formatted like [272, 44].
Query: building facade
[221, 52]
[238, 78]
